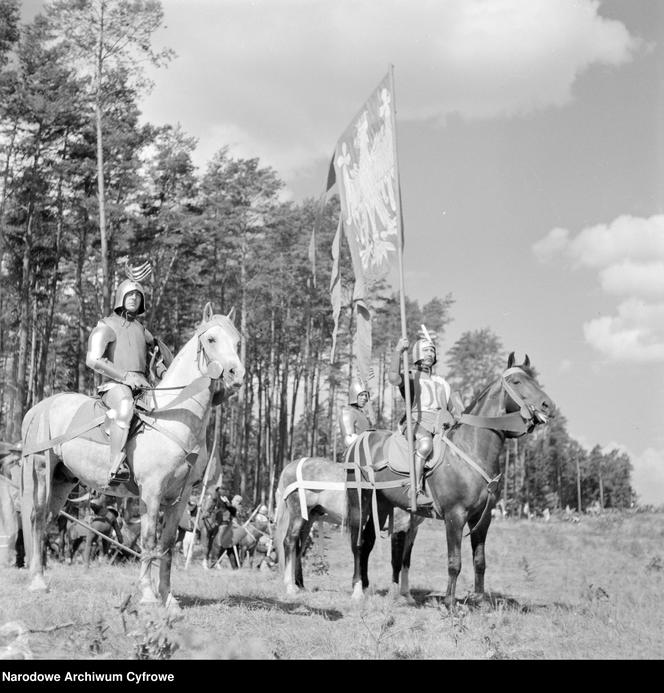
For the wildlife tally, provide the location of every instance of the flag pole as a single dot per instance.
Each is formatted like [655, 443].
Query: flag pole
[402, 304]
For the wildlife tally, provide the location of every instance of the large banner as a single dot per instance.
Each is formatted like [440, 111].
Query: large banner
[366, 175]
[365, 170]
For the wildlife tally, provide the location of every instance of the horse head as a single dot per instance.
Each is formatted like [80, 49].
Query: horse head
[524, 394]
[218, 340]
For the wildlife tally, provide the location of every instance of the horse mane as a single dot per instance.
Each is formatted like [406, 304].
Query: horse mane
[528, 370]
[482, 395]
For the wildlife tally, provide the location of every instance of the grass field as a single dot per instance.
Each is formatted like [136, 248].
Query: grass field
[559, 590]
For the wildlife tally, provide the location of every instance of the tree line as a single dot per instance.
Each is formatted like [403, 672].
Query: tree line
[86, 187]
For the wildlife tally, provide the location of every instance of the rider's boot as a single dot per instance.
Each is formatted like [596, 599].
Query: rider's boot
[423, 499]
[120, 471]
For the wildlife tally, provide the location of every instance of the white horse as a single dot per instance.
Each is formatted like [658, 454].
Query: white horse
[166, 456]
[316, 487]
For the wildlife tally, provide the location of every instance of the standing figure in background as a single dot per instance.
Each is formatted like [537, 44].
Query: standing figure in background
[354, 417]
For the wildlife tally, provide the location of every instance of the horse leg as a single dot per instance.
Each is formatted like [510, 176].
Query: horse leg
[20, 546]
[290, 527]
[477, 541]
[169, 530]
[397, 542]
[301, 548]
[211, 556]
[149, 552]
[454, 524]
[359, 524]
[402, 548]
[90, 539]
[9, 520]
[368, 541]
[33, 517]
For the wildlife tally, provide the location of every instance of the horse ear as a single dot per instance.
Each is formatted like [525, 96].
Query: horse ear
[207, 312]
[231, 314]
[526, 362]
[510, 359]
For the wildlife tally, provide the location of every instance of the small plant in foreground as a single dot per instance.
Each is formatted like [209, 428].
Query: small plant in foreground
[152, 634]
[655, 564]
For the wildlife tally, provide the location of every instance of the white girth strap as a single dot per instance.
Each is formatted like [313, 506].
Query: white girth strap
[301, 484]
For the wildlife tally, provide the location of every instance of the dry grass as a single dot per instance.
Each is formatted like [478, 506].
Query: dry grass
[558, 591]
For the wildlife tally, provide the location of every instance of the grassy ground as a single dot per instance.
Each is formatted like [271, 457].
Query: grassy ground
[559, 590]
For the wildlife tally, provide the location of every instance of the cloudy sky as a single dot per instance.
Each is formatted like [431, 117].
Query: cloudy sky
[531, 155]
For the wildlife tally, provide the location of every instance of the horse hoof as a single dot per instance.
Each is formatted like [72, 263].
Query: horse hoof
[172, 605]
[150, 599]
[38, 585]
[358, 593]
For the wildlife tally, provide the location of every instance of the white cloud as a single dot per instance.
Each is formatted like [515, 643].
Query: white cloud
[635, 333]
[294, 72]
[648, 477]
[625, 238]
[630, 278]
[554, 243]
[628, 255]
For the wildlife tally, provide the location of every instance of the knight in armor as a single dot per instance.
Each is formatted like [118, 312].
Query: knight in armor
[354, 417]
[118, 349]
[434, 405]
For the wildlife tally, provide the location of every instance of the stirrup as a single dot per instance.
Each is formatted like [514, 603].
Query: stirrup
[120, 475]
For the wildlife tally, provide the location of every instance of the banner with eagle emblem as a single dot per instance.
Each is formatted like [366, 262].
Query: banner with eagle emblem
[364, 167]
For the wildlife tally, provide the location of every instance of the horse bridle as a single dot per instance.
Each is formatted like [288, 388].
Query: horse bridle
[211, 367]
[528, 412]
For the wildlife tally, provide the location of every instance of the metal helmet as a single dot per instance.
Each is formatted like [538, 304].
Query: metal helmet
[356, 389]
[418, 348]
[123, 289]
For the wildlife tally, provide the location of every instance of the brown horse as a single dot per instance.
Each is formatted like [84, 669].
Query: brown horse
[167, 456]
[464, 479]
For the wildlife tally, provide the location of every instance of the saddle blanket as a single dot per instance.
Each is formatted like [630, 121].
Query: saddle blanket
[89, 410]
[398, 459]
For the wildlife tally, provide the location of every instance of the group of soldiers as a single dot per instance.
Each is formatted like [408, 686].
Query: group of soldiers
[126, 354]
[119, 349]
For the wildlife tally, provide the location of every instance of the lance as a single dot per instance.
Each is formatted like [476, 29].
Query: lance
[402, 305]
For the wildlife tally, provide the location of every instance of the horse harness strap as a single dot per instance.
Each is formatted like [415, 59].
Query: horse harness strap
[188, 391]
[151, 421]
[469, 460]
[58, 440]
[510, 422]
[301, 484]
[492, 484]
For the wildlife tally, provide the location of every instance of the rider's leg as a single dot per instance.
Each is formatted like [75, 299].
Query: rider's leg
[120, 401]
[423, 448]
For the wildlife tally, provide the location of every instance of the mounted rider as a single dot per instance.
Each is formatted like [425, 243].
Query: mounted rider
[118, 349]
[354, 417]
[434, 405]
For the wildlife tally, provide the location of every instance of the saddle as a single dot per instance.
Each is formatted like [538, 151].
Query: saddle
[398, 457]
[90, 411]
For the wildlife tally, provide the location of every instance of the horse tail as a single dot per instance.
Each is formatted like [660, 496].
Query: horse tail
[281, 522]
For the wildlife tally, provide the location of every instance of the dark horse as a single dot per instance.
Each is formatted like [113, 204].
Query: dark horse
[464, 478]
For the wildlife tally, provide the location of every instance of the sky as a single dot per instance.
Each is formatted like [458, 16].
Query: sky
[531, 158]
